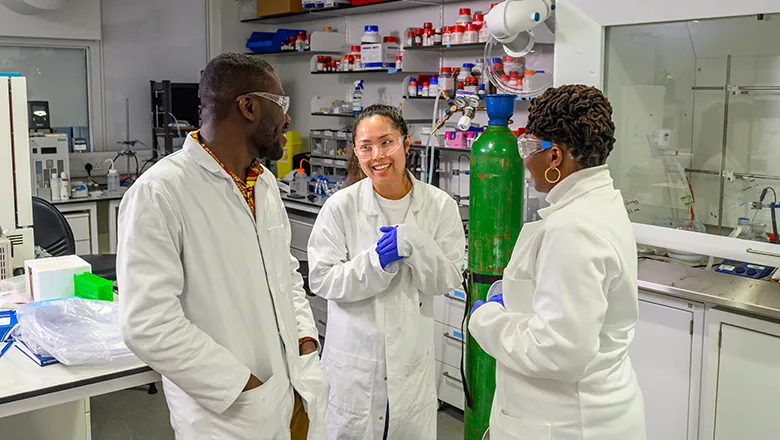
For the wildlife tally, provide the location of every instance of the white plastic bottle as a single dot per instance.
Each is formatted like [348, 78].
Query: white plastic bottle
[371, 35]
[64, 187]
[464, 17]
[357, 98]
[54, 183]
[112, 178]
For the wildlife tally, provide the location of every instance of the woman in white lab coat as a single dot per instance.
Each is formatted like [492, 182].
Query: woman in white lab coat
[561, 329]
[380, 250]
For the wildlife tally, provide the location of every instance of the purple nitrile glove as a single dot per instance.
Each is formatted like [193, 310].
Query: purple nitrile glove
[479, 303]
[387, 246]
[498, 298]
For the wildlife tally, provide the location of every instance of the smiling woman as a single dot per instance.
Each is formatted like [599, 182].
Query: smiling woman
[381, 141]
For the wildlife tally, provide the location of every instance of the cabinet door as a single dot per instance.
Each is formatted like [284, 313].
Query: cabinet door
[67, 421]
[661, 355]
[748, 398]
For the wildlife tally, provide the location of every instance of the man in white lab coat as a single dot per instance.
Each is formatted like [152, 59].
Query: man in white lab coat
[210, 296]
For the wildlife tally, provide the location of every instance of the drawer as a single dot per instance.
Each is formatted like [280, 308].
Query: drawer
[448, 344]
[83, 247]
[300, 232]
[449, 387]
[79, 224]
[448, 309]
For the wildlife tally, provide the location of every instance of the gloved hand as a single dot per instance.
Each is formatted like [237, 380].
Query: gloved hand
[387, 246]
[498, 298]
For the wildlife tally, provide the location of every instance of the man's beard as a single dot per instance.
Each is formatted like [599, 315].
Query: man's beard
[268, 145]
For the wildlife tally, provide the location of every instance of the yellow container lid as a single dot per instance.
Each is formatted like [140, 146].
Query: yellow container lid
[293, 137]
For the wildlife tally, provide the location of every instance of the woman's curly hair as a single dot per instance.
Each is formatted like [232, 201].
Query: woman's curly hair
[577, 116]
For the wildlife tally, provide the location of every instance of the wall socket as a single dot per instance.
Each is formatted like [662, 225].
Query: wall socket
[99, 165]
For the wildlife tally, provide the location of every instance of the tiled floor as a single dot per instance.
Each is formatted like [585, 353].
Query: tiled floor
[135, 415]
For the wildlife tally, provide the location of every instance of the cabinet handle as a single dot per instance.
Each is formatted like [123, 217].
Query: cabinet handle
[449, 336]
[455, 298]
[448, 376]
[322, 322]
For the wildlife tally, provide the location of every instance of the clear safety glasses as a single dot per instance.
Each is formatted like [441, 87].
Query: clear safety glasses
[385, 148]
[528, 147]
[281, 101]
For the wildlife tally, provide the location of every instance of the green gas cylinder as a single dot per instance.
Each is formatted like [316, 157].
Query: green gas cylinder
[495, 218]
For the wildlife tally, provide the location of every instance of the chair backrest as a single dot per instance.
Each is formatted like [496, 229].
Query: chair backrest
[51, 230]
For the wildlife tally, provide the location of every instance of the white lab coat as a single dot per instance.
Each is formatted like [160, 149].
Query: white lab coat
[379, 343]
[202, 289]
[561, 341]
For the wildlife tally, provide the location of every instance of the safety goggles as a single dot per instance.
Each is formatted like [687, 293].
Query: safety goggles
[385, 148]
[281, 101]
[528, 147]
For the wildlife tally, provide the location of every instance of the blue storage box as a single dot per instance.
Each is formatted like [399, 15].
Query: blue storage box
[269, 42]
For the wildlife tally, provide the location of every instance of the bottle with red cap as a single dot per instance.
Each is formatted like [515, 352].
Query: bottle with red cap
[437, 37]
[446, 36]
[300, 42]
[470, 35]
[515, 80]
[418, 34]
[445, 74]
[472, 85]
[428, 37]
[493, 5]
[409, 38]
[464, 17]
[457, 35]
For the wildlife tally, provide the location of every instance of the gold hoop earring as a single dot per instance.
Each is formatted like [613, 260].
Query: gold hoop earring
[556, 179]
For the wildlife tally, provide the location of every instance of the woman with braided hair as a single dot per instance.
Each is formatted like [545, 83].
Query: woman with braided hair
[563, 316]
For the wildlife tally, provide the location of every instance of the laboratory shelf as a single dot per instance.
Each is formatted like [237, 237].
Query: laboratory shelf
[319, 156]
[344, 11]
[466, 46]
[456, 150]
[290, 52]
[333, 115]
[372, 71]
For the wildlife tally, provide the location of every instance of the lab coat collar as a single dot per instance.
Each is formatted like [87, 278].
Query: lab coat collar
[371, 205]
[193, 149]
[574, 186]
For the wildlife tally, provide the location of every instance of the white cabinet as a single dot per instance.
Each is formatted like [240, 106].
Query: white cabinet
[745, 360]
[80, 226]
[666, 354]
[448, 344]
[68, 421]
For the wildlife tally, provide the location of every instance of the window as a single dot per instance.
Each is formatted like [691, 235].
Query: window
[60, 76]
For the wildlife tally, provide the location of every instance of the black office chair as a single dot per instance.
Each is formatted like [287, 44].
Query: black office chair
[52, 232]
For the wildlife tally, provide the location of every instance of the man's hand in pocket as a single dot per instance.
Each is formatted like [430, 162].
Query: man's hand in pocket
[252, 383]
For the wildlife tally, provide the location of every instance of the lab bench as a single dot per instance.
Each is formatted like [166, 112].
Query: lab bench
[84, 215]
[52, 402]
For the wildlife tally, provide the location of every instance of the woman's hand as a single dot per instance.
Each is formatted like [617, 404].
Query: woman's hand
[387, 246]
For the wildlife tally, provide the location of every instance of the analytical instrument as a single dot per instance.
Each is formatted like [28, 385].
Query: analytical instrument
[49, 157]
[15, 189]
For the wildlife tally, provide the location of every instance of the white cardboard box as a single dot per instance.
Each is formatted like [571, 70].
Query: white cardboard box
[381, 55]
[52, 278]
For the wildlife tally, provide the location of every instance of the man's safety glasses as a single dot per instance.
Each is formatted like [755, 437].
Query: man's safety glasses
[281, 101]
[385, 148]
[528, 147]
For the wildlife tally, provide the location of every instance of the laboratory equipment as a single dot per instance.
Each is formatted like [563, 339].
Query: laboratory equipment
[112, 178]
[51, 278]
[357, 98]
[745, 270]
[64, 186]
[6, 270]
[39, 117]
[49, 158]
[15, 181]
[300, 183]
[495, 219]
[511, 24]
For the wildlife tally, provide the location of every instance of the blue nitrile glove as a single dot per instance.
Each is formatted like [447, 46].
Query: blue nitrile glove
[387, 246]
[479, 303]
[499, 298]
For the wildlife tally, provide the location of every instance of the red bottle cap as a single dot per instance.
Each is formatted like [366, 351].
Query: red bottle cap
[460, 29]
[493, 5]
[479, 17]
[390, 39]
[425, 84]
[460, 85]
[446, 70]
[509, 59]
[399, 58]
[428, 25]
[418, 31]
[514, 75]
[465, 11]
[471, 27]
[472, 80]
[504, 78]
[429, 32]
[410, 33]
[355, 49]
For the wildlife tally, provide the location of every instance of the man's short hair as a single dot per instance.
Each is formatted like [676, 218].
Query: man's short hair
[228, 76]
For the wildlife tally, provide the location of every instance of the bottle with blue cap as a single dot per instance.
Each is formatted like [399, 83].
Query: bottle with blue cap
[357, 98]
[371, 35]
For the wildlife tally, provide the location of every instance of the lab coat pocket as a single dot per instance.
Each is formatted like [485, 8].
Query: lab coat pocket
[420, 385]
[351, 387]
[259, 413]
[506, 427]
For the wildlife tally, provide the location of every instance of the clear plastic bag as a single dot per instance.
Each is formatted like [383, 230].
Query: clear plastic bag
[75, 331]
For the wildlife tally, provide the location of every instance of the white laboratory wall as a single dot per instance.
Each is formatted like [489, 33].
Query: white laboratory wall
[579, 47]
[147, 40]
[79, 20]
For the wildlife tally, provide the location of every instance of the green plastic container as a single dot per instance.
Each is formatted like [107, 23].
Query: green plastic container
[90, 286]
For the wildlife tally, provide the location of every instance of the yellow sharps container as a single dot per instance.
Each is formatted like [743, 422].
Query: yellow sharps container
[293, 147]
